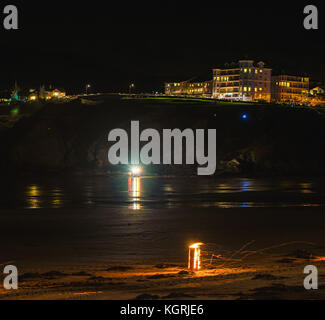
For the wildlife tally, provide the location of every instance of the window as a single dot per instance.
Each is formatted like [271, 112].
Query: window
[245, 70]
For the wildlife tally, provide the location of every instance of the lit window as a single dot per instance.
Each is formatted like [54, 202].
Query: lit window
[255, 89]
[245, 88]
[261, 70]
[261, 89]
[245, 70]
[249, 89]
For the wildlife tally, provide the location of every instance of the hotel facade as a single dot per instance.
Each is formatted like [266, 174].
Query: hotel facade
[290, 89]
[189, 88]
[245, 81]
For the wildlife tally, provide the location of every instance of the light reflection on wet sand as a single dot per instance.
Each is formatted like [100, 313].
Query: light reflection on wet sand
[137, 193]
[83, 221]
[134, 189]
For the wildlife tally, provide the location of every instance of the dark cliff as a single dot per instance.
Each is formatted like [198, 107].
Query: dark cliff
[72, 136]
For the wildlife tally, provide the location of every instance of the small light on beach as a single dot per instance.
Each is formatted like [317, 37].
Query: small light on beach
[194, 256]
[136, 171]
[244, 116]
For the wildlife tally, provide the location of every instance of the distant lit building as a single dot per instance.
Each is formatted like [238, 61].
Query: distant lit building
[243, 81]
[58, 94]
[173, 88]
[247, 81]
[317, 96]
[189, 88]
[317, 91]
[32, 97]
[290, 89]
[48, 94]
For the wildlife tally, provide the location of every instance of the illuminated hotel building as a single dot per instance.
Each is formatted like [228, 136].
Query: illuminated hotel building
[244, 82]
[174, 88]
[288, 89]
[189, 88]
[247, 81]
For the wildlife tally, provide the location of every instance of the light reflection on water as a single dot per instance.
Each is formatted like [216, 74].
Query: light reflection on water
[134, 189]
[139, 193]
[33, 197]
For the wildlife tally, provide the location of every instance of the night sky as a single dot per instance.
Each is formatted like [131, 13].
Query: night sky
[110, 45]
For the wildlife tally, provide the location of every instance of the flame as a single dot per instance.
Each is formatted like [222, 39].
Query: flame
[196, 245]
[194, 260]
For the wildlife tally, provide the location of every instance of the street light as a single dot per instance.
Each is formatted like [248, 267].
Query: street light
[87, 87]
[131, 87]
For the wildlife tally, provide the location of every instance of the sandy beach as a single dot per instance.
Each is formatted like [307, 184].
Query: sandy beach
[122, 253]
[266, 278]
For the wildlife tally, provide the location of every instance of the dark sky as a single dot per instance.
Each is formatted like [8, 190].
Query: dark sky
[70, 43]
